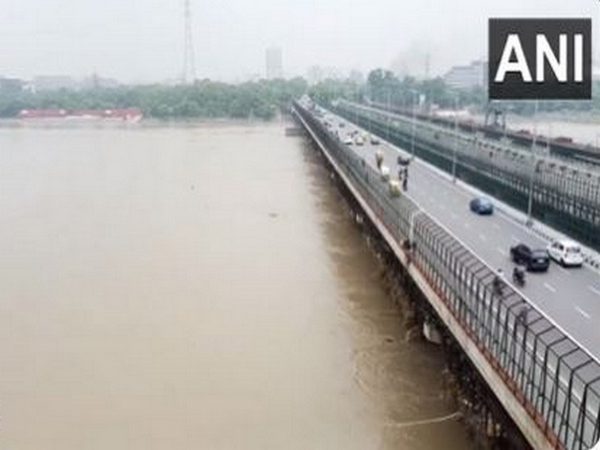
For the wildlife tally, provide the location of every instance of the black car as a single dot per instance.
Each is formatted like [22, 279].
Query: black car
[482, 206]
[403, 160]
[532, 259]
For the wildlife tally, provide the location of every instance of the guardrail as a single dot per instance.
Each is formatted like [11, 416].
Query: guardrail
[555, 380]
[563, 196]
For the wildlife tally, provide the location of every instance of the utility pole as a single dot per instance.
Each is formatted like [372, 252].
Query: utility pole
[455, 139]
[388, 115]
[189, 63]
[414, 124]
[533, 167]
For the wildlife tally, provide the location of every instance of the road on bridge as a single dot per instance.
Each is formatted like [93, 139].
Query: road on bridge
[570, 297]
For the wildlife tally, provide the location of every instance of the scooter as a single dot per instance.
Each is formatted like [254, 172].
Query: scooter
[519, 277]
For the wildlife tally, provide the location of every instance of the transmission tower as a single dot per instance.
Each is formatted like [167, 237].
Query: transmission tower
[189, 64]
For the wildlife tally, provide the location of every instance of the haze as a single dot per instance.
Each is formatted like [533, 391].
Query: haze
[142, 40]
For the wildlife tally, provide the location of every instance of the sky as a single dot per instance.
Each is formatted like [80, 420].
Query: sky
[143, 40]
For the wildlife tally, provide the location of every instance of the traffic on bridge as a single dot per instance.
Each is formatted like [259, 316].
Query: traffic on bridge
[532, 340]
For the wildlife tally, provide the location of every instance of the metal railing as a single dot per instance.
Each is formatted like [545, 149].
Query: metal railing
[555, 380]
[564, 196]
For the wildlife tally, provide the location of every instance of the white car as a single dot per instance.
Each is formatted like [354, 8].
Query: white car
[348, 141]
[359, 140]
[566, 253]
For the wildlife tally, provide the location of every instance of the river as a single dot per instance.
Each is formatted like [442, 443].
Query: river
[197, 287]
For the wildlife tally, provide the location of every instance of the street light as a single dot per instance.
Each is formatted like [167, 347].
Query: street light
[455, 139]
[533, 166]
[387, 129]
[414, 124]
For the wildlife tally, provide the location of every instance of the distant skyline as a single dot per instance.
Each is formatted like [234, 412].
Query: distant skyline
[142, 40]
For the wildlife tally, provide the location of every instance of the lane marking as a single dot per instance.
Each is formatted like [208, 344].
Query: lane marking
[501, 251]
[563, 270]
[454, 216]
[583, 313]
[512, 236]
[549, 287]
[482, 237]
[594, 290]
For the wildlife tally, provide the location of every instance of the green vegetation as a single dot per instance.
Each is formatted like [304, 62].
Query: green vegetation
[261, 99]
[384, 87]
[204, 99]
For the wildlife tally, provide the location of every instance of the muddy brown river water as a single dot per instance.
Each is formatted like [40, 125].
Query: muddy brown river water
[197, 288]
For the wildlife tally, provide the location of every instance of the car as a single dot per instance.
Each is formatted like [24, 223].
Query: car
[348, 141]
[359, 140]
[374, 140]
[566, 253]
[482, 206]
[532, 259]
[403, 160]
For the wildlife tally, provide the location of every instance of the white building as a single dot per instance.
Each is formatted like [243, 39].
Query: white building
[274, 63]
[466, 77]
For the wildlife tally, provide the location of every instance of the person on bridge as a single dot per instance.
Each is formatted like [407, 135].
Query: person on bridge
[498, 282]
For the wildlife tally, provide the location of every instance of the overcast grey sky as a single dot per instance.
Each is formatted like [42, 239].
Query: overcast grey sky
[142, 40]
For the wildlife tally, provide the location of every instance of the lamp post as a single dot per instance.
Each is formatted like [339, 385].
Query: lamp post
[414, 124]
[387, 129]
[455, 139]
[533, 166]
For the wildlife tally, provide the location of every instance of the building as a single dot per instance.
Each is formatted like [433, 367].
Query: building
[274, 63]
[97, 82]
[53, 83]
[11, 85]
[466, 77]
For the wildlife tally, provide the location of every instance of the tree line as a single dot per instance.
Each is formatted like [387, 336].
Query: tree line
[262, 99]
[203, 99]
[384, 87]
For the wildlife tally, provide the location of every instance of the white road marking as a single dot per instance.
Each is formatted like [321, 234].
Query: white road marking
[583, 313]
[594, 290]
[496, 226]
[482, 237]
[563, 270]
[512, 236]
[549, 287]
[501, 251]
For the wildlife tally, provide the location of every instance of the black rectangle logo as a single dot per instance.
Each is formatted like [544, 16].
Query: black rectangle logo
[540, 59]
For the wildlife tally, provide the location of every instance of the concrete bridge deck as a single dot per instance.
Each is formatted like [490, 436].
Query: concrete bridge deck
[544, 374]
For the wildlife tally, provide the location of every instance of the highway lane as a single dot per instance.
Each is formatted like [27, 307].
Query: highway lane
[571, 297]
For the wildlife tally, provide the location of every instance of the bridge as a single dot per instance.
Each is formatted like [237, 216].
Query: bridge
[536, 347]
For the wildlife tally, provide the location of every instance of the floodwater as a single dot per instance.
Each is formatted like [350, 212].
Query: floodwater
[197, 288]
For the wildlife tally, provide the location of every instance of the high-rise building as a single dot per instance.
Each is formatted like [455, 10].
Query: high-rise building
[465, 77]
[274, 64]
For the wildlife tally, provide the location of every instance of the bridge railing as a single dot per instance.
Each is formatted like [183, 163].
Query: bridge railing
[569, 195]
[556, 381]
